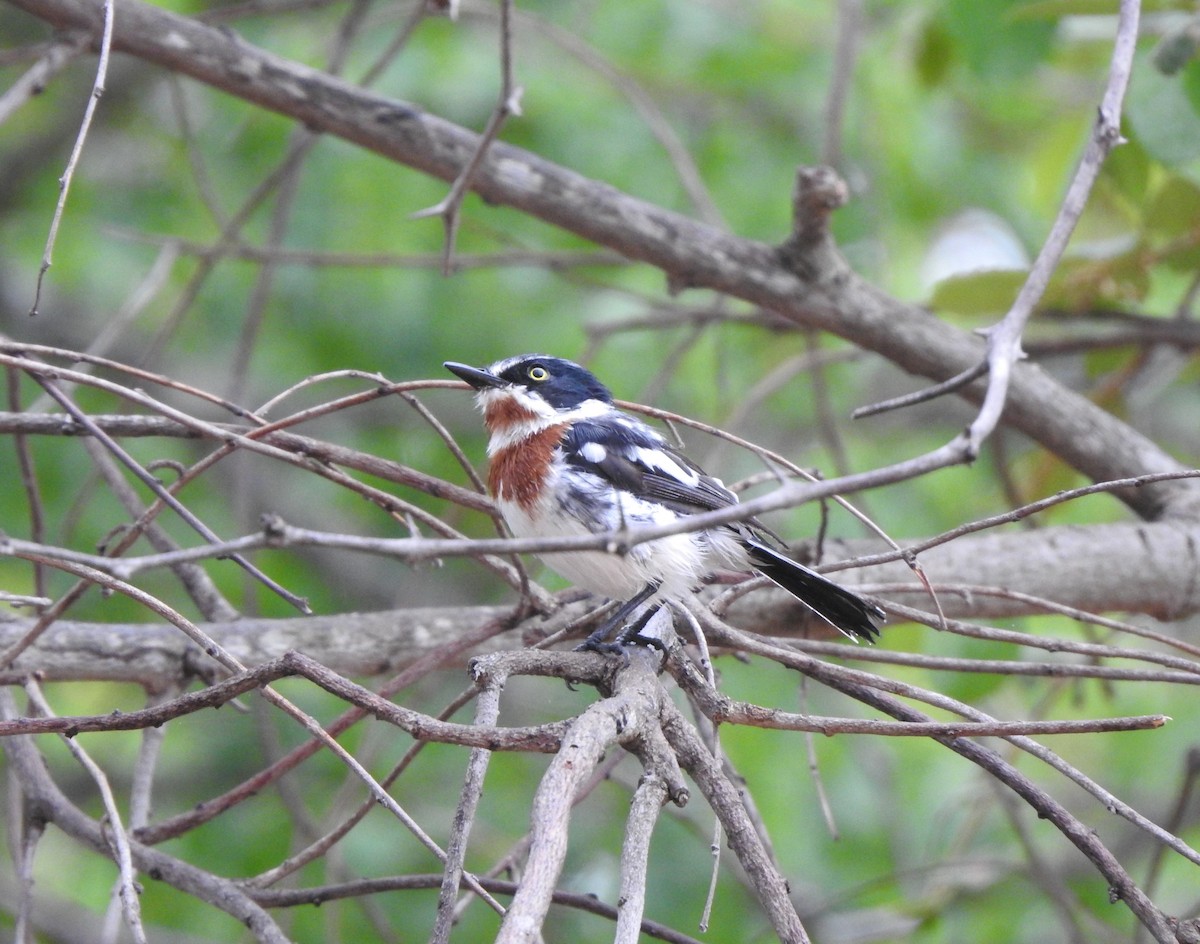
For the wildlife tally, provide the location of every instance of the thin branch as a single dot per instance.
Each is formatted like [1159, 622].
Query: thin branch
[509, 103]
[555, 260]
[195, 580]
[541, 738]
[443, 653]
[29, 480]
[64, 182]
[849, 28]
[217, 653]
[722, 796]
[127, 884]
[258, 440]
[644, 103]
[1047, 878]
[721, 709]
[1177, 818]
[1004, 338]
[648, 799]
[866, 688]
[487, 712]
[323, 844]
[1122, 885]
[30, 770]
[163, 494]
[1055, 644]
[1019, 514]
[949, 385]
[59, 53]
[296, 897]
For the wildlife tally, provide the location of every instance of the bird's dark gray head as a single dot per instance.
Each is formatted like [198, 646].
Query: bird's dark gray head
[560, 384]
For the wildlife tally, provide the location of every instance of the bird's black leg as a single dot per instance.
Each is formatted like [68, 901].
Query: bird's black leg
[597, 641]
[633, 632]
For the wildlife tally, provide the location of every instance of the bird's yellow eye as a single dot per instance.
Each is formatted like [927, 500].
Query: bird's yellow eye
[537, 372]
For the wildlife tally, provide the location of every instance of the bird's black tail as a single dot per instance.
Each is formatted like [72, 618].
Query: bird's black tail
[851, 614]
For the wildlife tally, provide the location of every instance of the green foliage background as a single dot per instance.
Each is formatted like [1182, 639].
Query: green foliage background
[952, 106]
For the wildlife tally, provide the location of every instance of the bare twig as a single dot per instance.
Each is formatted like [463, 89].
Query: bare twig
[205, 812]
[1175, 821]
[258, 440]
[64, 183]
[1004, 338]
[509, 103]
[315, 672]
[29, 481]
[127, 885]
[1019, 514]
[866, 687]
[294, 897]
[644, 103]
[194, 579]
[27, 834]
[163, 494]
[323, 844]
[557, 260]
[588, 737]
[949, 385]
[849, 27]
[1043, 871]
[57, 56]
[31, 772]
[648, 800]
[723, 797]
[487, 711]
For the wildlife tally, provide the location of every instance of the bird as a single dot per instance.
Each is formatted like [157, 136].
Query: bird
[564, 461]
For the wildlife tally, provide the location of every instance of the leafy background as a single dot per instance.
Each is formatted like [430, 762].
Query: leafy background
[975, 108]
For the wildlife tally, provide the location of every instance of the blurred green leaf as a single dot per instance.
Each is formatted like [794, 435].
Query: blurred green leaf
[1166, 122]
[995, 43]
[1128, 168]
[1189, 79]
[1105, 361]
[1184, 257]
[1057, 9]
[978, 293]
[1175, 209]
[1084, 282]
[1176, 49]
[934, 53]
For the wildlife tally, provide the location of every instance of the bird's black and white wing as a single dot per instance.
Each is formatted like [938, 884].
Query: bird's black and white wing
[628, 456]
[634, 458]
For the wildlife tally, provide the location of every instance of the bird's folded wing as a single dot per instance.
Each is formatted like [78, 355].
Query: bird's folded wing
[635, 459]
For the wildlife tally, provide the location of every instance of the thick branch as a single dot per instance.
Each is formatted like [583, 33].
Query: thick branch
[692, 254]
[1134, 567]
[1130, 567]
[157, 656]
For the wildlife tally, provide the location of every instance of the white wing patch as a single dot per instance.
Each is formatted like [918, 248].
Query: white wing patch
[593, 452]
[662, 462]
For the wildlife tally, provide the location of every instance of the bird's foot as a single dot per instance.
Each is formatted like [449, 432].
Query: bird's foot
[630, 635]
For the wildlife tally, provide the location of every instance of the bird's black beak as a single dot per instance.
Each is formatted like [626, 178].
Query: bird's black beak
[477, 377]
